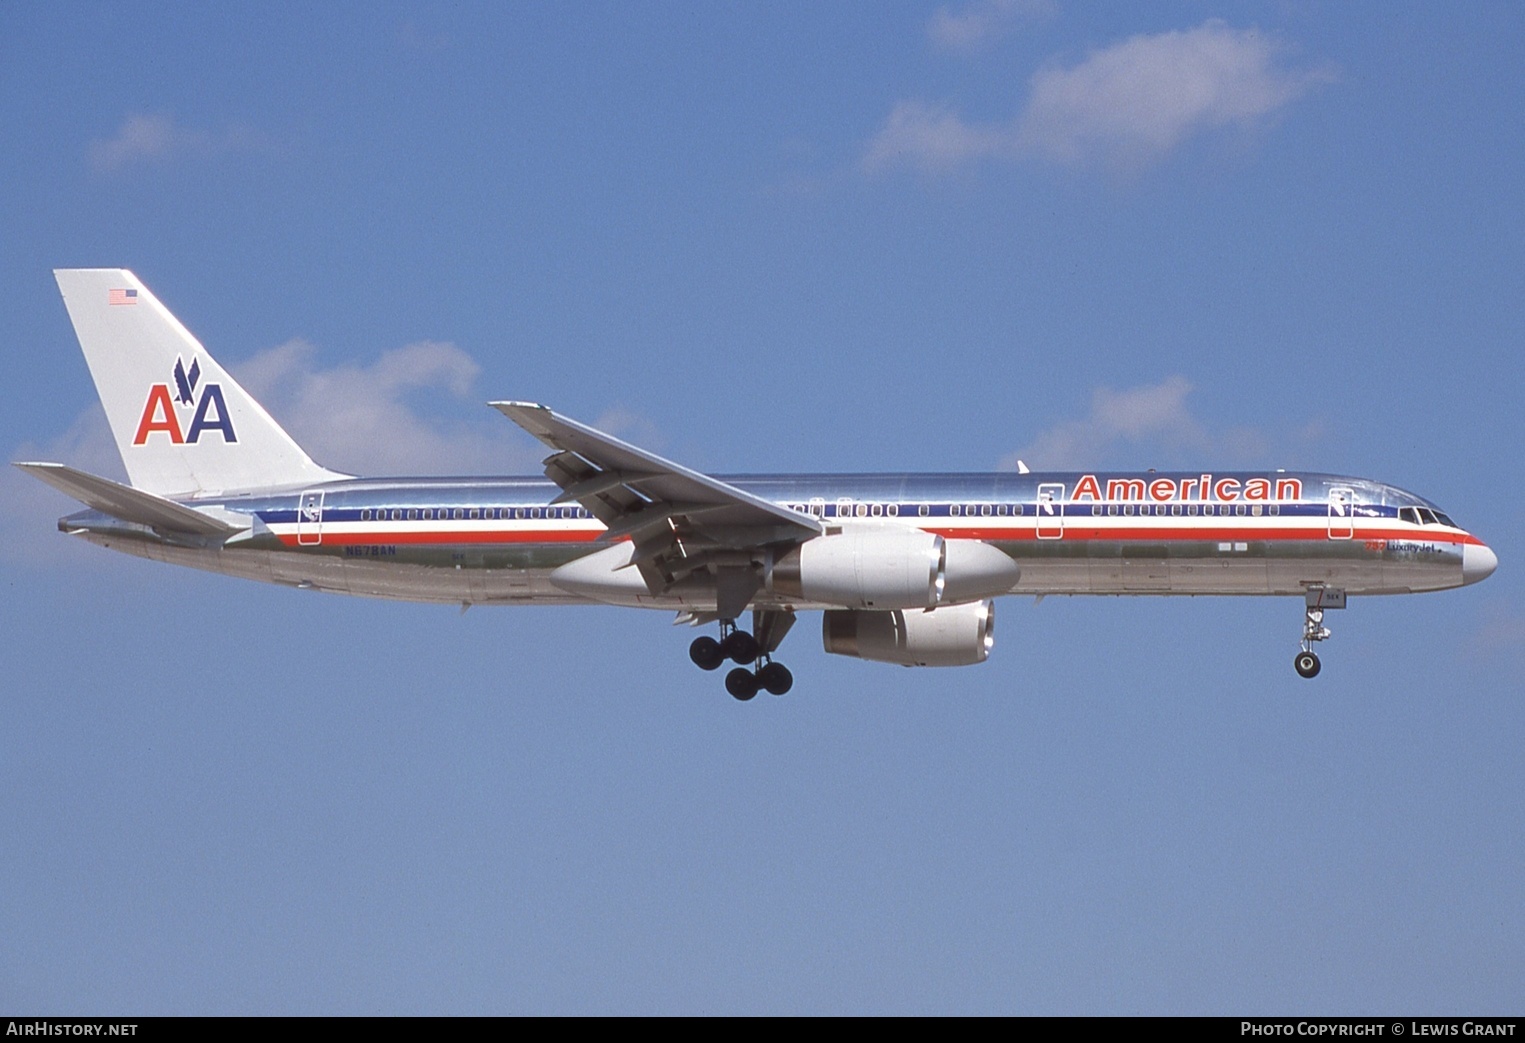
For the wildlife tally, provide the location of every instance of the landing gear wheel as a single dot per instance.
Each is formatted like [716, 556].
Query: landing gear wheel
[1307, 664]
[776, 678]
[740, 647]
[706, 653]
[741, 683]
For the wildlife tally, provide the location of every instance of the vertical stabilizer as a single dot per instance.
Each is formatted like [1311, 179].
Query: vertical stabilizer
[183, 425]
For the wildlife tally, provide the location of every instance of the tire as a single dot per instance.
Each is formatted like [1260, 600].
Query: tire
[776, 678]
[1306, 664]
[740, 647]
[741, 683]
[706, 654]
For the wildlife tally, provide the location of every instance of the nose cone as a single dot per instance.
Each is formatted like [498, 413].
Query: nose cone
[1477, 563]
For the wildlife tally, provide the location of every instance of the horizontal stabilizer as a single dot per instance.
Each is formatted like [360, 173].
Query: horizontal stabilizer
[125, 502]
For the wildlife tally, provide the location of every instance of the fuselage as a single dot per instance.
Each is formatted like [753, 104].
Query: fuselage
[499, 540]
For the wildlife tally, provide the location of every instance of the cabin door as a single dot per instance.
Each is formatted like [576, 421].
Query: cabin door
[1341, 513]
[1050, 511]
[310, 518]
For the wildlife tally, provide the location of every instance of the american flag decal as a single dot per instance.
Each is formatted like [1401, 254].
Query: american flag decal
[121, 297]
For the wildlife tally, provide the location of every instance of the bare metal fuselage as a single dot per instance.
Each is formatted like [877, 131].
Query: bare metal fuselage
[499, 541]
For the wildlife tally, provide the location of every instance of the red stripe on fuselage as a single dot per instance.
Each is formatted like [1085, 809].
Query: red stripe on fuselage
[341, 539]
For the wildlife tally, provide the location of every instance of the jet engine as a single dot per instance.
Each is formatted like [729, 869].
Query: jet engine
[953, 635]
[890, 568]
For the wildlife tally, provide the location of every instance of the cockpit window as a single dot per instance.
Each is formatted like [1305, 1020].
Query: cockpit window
[1424, 516]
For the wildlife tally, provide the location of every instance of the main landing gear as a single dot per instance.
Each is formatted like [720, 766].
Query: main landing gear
[1317, 599]
[742, 648]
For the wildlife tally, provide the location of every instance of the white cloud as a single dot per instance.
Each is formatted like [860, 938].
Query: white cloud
[356, 417]
[980, 22]
[1124, 106]
[155, 138]
[1136, 100]
[932, 138]
[1140, 426]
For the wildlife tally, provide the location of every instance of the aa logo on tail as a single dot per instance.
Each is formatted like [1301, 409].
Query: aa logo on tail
[160, 412]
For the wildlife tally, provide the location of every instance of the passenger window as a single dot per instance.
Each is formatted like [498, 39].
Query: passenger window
[877, 510]
[1275, 508]
[1239, 509]
[1095, 510]
[1112, 508]
[953, 511]
[923, 510]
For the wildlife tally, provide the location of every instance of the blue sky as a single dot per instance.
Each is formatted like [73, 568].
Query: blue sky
[831, 237]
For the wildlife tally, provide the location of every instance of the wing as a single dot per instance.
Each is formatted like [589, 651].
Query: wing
[679, 520]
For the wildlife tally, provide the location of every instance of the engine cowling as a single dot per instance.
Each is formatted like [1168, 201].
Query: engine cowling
[890, 568]
[869, 568]
[953, 635]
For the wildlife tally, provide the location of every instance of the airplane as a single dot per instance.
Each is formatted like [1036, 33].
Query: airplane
[904, 568]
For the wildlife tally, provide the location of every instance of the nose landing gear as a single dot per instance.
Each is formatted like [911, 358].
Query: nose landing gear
[1317, 599]
[1306, 663]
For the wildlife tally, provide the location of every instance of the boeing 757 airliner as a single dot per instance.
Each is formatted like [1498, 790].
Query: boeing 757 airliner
[905, 568]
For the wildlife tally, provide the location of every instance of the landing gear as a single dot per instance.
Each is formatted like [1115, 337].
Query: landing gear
[756, 671]
[742, 683]
[706, 653]
[740, 646]
[776, 678]
[1306, 664]
[1317, 599]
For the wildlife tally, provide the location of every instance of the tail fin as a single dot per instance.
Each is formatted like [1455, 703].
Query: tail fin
[183, 425]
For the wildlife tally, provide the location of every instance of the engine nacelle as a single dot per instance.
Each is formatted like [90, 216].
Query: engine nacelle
[864, 568]
[889, 568]
[953, 635]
